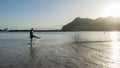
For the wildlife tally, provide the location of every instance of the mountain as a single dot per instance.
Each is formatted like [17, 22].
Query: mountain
[99, 24]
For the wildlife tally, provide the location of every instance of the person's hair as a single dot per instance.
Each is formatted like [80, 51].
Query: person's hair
[32, 29]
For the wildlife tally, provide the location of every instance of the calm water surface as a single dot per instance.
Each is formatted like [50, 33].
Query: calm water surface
[20, 38]
[60, 50]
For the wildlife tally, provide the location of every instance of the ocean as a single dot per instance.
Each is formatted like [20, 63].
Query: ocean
[84, 49]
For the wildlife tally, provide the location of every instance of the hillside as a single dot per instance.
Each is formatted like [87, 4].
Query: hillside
[99, 24]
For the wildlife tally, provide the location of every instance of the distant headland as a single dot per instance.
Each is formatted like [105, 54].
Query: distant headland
[99, 24]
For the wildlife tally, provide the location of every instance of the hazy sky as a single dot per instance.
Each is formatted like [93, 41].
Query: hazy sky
[48, 14]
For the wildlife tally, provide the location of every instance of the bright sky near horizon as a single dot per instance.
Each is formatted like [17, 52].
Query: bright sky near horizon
[52, 14]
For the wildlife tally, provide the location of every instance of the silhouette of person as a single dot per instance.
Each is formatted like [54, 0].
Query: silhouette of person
[31, 35]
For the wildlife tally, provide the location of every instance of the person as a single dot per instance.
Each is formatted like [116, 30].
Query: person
[32, 35]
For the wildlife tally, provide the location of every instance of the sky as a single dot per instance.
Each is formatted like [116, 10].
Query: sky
[48, 14]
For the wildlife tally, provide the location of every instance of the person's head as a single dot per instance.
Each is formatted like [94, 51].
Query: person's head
[32, 29]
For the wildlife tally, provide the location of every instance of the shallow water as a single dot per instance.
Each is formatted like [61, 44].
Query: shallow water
[60, 50]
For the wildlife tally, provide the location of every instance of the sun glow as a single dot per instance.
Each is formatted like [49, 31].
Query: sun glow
[114, 36]
[114, 49]
[112, 10]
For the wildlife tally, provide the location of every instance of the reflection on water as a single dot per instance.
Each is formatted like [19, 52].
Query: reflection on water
[114, 36]
[114, 49]
[31, 56]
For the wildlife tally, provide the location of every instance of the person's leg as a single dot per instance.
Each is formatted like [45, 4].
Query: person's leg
[30, 40]
[36, 36]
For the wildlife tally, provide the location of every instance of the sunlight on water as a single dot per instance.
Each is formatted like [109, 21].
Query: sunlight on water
[114, 49]
[114, 36]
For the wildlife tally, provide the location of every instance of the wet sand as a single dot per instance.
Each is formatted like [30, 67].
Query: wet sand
[69, 55]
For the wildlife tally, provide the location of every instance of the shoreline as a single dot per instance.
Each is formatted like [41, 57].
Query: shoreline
[60, 30]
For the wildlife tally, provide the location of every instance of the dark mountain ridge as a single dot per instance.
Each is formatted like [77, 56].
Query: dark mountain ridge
[99, 24]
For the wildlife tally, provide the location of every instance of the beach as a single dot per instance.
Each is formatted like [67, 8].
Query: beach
[61, 50]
